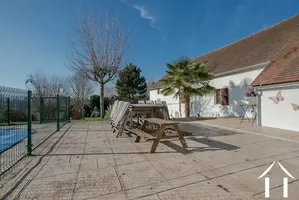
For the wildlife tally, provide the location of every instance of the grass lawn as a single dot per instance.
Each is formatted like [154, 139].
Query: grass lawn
[89, 119]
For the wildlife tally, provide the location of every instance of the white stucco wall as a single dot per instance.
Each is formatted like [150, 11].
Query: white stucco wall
[172, 103]
[280, 115]
[237, 85]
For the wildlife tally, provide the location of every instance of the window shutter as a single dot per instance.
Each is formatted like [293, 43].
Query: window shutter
[224, 96]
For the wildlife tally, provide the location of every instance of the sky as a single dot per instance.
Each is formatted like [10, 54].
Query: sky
[35, 35]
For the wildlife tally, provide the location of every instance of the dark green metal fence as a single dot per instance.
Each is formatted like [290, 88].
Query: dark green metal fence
[13, 126]
[53, 108]
[26, 120]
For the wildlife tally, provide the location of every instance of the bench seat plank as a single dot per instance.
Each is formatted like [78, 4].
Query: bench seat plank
[142, 134]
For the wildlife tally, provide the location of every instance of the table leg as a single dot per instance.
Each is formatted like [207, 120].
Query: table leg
[142, 126]
[122, 125]
[181, 138]
[157, 140]
[137, 139]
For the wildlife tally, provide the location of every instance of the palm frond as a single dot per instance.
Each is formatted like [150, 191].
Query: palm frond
[168, 90]
[185, 73]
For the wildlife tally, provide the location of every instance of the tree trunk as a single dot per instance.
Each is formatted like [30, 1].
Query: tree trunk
[82, 112]
[180, 103]
[102, 101]
[187, 105]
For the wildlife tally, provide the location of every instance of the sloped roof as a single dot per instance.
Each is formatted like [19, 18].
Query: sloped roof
[282, 70]
[257, 48]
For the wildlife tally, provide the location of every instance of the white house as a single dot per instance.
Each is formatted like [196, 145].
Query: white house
[268, 61]
[278, 89]
[172, 103]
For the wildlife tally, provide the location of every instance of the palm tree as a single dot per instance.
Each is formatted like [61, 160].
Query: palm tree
[186, 78]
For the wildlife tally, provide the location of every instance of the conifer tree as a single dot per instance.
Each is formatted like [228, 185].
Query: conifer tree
[131, 86]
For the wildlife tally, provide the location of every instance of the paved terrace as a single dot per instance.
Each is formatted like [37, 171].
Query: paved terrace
[86, 161]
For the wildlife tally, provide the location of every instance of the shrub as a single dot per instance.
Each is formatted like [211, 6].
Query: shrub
[108, 112]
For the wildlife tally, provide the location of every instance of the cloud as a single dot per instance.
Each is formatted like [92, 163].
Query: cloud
[144, 14]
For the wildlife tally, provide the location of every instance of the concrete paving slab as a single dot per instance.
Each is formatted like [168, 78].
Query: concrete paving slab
[202, 190]
[171, 168]
[89, 162]
[105, 161]
[55, 187]
[96, 182]
[67, 168]
[129, 158]
[139, 192]
[139, 174]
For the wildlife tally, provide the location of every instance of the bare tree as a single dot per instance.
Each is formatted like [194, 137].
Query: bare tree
[99, 51]
[48, 85]
[80, 88]
[44, 85]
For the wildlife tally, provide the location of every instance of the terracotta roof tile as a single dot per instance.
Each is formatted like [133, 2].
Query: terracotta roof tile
[282, 70]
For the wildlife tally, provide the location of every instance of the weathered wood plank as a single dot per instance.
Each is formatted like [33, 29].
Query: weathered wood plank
[141, 134]
[161, 121]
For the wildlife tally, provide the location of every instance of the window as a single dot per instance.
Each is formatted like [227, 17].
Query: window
[222, 96]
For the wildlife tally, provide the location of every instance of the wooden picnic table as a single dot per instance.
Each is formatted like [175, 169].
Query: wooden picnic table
[162, 123]
[142, 109]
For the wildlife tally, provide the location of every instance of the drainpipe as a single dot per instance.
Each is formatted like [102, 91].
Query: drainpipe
[259, 105]
[259, 111]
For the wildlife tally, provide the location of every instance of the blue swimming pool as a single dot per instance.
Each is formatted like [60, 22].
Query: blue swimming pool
[10, 137]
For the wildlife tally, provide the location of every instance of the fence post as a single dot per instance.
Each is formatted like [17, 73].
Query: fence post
[69, 109]
[29, 123]
[8, 110]
[41, 110]
[58, 107]
[65, 109]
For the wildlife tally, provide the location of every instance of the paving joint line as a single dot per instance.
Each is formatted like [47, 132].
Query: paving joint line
[77, 174]
[115, 167]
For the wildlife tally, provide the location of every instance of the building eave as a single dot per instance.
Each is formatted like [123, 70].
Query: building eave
[231, 72]
[277, 85]
[243, 69]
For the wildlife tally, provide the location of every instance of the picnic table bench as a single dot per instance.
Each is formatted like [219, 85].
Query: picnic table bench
[161, 123]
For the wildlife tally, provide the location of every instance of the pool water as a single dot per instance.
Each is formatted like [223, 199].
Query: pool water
[10, 137]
